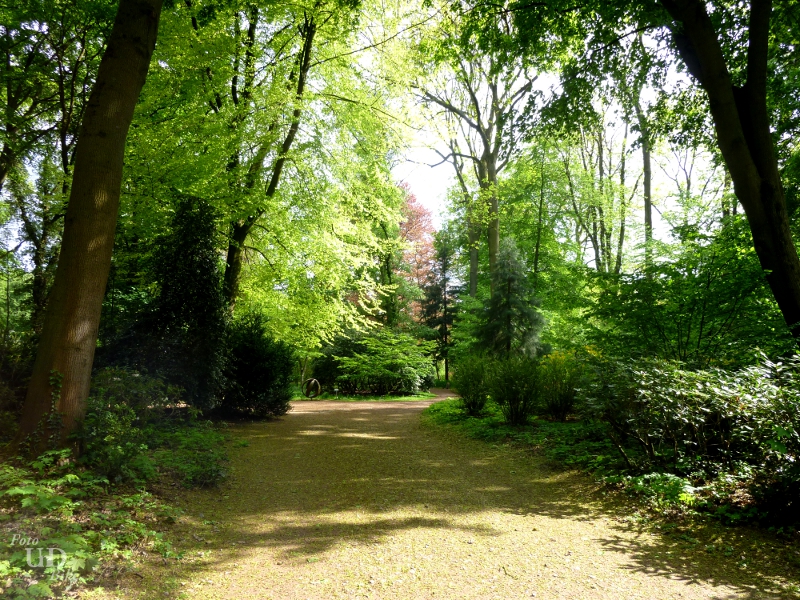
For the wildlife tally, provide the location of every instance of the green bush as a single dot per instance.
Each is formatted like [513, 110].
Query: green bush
[707, 423]
[135, 429]
[259, 370]
[469, 380]
[384, 362]
[560, 377]
[147, 396]
[112, 442]
[515, 385]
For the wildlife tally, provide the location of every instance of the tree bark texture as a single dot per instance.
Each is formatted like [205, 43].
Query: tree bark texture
[743, 133]
[61, 376]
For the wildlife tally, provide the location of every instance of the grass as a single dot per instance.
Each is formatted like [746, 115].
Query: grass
[578, 444]
[368, 398]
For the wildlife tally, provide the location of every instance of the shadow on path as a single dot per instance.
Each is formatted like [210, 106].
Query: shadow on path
[330, 476]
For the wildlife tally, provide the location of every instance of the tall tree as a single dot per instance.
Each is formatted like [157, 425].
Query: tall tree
[737, 53]
[480, 94]
[61, 376]
[742, 121]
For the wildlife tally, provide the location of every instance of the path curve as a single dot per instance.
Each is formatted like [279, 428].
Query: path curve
[361, 500]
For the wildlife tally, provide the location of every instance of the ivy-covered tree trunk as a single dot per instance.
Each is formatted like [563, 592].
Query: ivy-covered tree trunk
[56, 399]
[742, 125]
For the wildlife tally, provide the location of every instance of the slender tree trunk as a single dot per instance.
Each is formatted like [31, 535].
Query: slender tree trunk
[473, 237]
[741, 121]
[647, 173]
[493, 228]
[240, 231]
[62, 371]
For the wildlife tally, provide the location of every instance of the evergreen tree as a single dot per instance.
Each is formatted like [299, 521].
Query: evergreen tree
[190, 309]
[439, 308]
[511, 322]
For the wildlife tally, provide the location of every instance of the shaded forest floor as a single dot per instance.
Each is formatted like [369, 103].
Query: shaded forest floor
[349, 500]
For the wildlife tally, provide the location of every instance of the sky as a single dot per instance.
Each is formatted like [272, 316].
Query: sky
[428, 184]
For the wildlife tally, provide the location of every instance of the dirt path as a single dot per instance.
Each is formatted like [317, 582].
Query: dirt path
[359, 500]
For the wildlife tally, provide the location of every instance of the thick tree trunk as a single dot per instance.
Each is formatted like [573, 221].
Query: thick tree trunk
[62, 371]
[741, 121]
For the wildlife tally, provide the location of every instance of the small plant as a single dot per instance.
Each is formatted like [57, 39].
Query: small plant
[69, 521]
[112, 440]
[469, 380]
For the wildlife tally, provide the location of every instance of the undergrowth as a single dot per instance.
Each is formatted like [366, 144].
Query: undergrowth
[586, 445]
[67, 521]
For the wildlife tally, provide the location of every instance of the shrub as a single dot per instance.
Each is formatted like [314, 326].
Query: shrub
[133, 429]
[147, 396]
[469, 380]
[704, 423]
[560, 377]
[326, 367]
[112, 442]
[385, 362]
[259, 370]
[515, 385]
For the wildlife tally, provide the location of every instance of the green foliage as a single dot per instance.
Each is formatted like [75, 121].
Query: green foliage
[135, 430]
[705, 424]
[192, 453]
[77, 513]
[470, 381]
[515, 385]
[381, 362]
[178, 333]
[560, 375]
[190, 308]
[511, 323]
[706, 304]
[581, 444]
[113, 443]
[661, 489]
[259, 370]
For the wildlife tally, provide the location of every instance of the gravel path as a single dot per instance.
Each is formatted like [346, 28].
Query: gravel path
[360, 500]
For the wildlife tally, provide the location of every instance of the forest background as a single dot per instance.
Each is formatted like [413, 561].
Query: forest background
[617, 245]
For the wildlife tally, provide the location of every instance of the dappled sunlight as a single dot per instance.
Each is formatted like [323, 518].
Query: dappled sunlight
[309, 508]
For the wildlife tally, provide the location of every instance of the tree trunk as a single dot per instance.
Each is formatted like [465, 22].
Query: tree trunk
[647, 173]
[741, 121]
[56, 400]
[490, 184]
[473, 236]
[240, 231]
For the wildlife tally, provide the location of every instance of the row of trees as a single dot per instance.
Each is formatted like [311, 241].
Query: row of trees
[282, 123]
